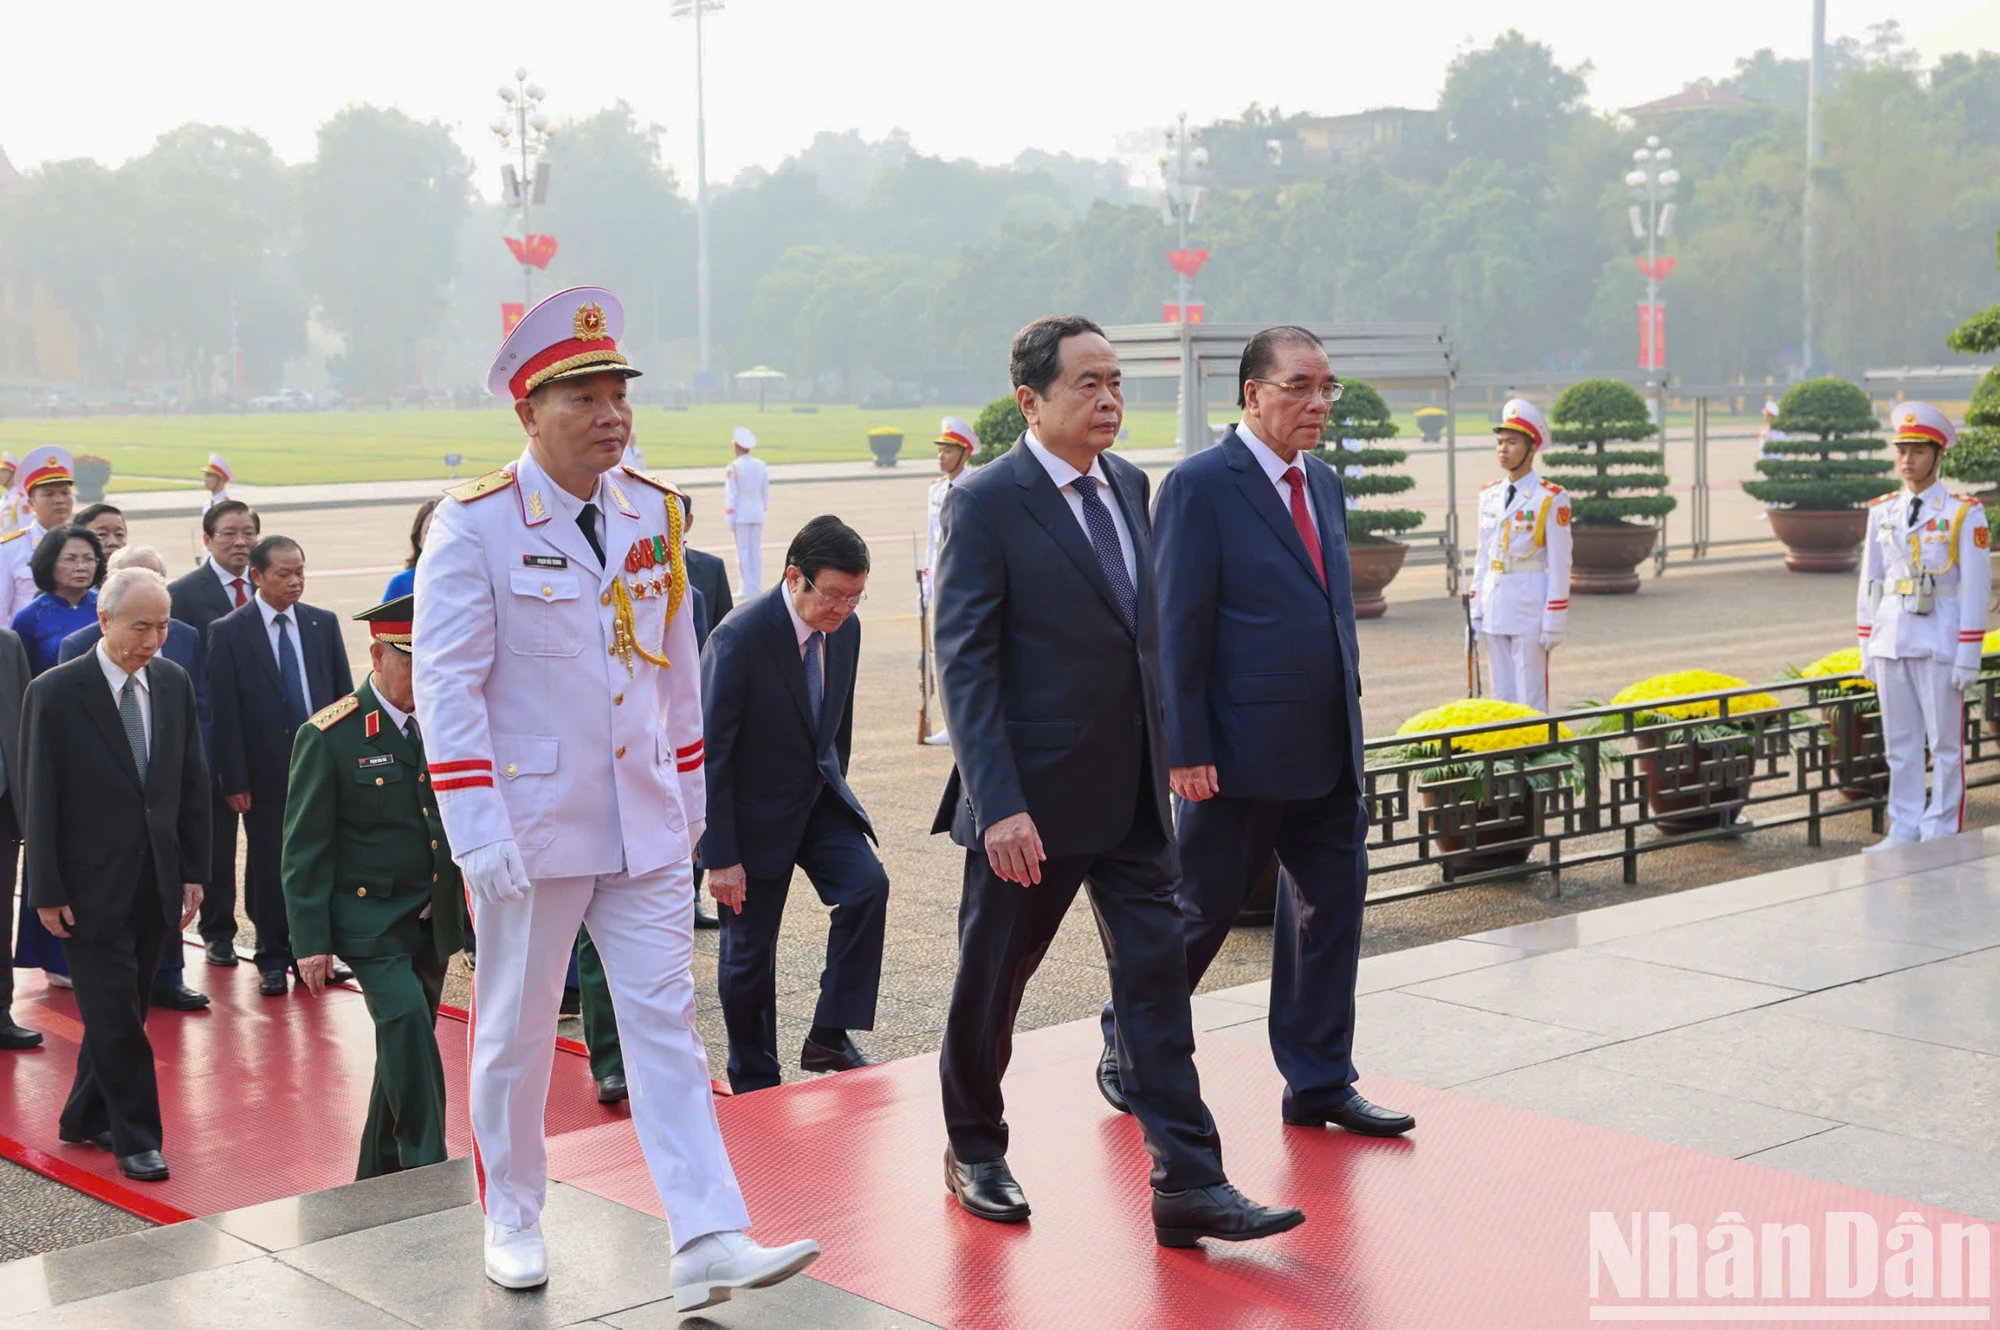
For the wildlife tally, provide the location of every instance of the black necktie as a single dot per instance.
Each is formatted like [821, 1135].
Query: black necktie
[587, 519]
[1510, 498]
[1916, 509]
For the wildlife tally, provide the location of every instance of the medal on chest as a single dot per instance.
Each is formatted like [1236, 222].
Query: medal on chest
[653, 568]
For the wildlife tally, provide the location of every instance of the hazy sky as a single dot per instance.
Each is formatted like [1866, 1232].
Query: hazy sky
[978, 78]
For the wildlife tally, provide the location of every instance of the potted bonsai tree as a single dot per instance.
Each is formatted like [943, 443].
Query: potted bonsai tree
[1374, 555]
[1975, 458]
[1609, 487]
[1822, 474]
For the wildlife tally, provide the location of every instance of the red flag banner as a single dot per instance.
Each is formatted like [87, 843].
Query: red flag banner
[511, 313]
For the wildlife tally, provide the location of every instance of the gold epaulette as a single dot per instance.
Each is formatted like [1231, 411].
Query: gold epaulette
[654, 481]
[1970, 500]
[1883, 498]
[1553, 488]
[490, 483]
[329, 716]
[15, 534]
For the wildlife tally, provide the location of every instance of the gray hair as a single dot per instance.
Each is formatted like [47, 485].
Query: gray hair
[123, 583]
[145, 556]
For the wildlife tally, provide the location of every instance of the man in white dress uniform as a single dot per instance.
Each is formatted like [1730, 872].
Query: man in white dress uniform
[746, 490]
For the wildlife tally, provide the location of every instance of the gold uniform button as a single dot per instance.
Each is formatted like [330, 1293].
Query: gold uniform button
[361, 891]
[434, 845]
[548, 591]
[423, 777]
[620, 752]
[513, 770]
[434, 877]
[378, 780]
[604, 599]
[618, 701]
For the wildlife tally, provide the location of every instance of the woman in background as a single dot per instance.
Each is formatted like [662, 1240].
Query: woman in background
[405, 582]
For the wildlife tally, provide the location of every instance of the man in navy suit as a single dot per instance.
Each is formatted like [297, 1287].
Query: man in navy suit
[777, 683]
[271, 664]
[1047, 630]
[184, 649]
[1263, 699]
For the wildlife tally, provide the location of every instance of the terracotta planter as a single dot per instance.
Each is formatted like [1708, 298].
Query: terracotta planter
[1676, 795]
[1821, 542]
[1605, 559]
[1520, 823]
[1862, 773]
[1370, 567]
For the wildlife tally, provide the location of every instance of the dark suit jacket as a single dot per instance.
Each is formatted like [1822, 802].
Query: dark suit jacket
[184, 648]
[253, 737]
[1053, 702]
[766, 763]
[14, 675]
[708, 576]
[1262, 669]
[199, 600]
[88, 820]
[701, 623]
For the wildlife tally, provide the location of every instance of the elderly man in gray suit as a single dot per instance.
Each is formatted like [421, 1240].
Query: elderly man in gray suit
[13, 686]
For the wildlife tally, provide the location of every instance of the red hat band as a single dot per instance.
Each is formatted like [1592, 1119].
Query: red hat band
[1911, 431]
[44, 475]
[572, 353]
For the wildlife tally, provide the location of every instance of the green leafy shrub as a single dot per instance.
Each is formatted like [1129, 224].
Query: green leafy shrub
[1606, 485]
[1362, 414]
[1976, 455]
[1824, 462]
[998, 426]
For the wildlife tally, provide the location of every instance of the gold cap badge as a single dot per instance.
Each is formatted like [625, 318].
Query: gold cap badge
[589, 325]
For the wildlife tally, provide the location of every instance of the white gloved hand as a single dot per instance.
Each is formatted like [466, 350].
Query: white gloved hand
[1964, 676]
[1871, 669]
[494, 872]
[1550, 641]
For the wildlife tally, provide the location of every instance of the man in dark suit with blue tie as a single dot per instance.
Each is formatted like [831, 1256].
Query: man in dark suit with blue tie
[271, 665]
[1047, 631]
[1263, 698]
[777, 684]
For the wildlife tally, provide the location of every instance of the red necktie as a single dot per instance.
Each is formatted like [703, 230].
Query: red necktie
[1303, 520]
[242, 600]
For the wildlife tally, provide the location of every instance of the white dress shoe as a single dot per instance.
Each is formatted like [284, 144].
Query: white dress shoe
[516, 1257]
[1888, 843]
[710, 1268]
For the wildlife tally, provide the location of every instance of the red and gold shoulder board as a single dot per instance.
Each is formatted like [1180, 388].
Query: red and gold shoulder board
[1552, 487]
[328, 717]
[15, 534]
[654, 481]
[1883, 498]
[490, 483]
[1970, 500]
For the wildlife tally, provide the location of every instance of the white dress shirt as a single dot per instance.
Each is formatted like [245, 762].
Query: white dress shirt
[1062, 473]
[116, 677]
[298, 645]
[802, 631]
[229, 580]
[1275, 467]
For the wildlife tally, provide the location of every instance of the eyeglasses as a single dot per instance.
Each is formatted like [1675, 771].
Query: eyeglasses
[845, 602]
[1298, 392]
[77, 560]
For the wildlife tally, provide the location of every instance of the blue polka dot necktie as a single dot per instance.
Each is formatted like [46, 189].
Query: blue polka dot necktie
[1104, 539]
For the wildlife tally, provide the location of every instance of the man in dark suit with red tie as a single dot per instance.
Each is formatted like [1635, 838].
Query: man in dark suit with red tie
[1263, 700]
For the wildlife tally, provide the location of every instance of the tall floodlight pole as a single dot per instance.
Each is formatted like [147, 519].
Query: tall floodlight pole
[1651, 183]
[1183, 162]
[695, 9]
[1815, 76]
[522, 128]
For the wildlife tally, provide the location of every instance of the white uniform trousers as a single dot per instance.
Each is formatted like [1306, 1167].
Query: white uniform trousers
[1921, 709]
[1520, 669]
[750, 555]
[644, 931]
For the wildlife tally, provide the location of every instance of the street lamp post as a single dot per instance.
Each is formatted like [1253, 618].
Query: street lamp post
[1651, 184]
[523, 128]
[1181, 166]
[695, 9]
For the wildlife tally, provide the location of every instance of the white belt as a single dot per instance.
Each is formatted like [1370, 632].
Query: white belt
[1520, 565]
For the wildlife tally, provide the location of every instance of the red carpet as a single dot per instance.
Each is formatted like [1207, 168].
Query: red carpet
[1481, 1219]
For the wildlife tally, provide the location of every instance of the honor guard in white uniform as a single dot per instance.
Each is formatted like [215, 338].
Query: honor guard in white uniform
[560, 705]
[1925, 578]
[49, 490]
[1520, 597]
[746, 490]
[215, 478]
[12, 502]
[957, 445]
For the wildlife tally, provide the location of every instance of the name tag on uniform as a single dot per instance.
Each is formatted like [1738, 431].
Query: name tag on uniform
[377, 760]
[544, 561]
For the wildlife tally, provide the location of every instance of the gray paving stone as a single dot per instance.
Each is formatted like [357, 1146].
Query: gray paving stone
[1587, 990]
[297, 1220]
[1697, 1119]
[802, 1301]
[1398, 968]
[1956, 909]
[1948, 1176]
[1767, 951]
[1954, 1002]
[153, 1254]
[1214, 1012]
[1772, 1057]
[430, 1270]
[249, 1295]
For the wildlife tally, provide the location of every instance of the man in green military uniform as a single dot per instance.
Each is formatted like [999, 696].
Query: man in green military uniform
[369, 878]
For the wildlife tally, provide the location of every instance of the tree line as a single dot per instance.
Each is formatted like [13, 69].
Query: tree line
[859, 267]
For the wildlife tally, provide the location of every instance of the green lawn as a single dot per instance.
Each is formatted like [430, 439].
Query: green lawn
[155, 452]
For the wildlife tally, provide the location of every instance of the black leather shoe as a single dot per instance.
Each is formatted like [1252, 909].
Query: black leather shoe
[221, 953]
[611, 1090]
[1354, 1114]
[1184, 1218]
[987, 1190]
[17, 1036]
[1108, 1083]
[339, 974]
[146, 1166]
[272, 984]
[704, 918]
[816, 1056]
[102, 1140]
[180, 998]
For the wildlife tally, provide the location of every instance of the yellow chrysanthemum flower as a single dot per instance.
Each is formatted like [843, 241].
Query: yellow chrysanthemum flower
[1991, 644]
[1481, 711]
[1847, 660]
[1661, 689]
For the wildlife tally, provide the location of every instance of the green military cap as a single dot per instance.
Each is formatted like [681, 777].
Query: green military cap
[389, 623]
